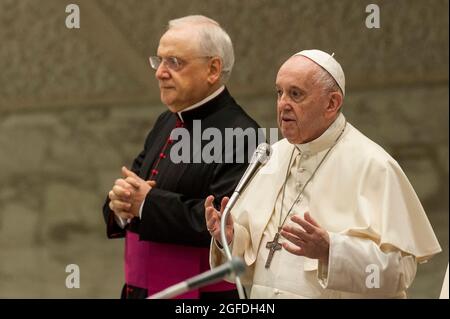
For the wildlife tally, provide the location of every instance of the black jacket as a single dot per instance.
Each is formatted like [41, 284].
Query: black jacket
[174, 210]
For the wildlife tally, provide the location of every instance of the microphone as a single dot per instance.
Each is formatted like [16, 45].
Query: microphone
[259, 158]
[235, 266]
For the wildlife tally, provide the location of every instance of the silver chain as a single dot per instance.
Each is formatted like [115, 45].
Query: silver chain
[307, 182]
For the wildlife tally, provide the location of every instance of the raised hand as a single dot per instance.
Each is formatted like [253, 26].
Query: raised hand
[309, 240]
[212, 216]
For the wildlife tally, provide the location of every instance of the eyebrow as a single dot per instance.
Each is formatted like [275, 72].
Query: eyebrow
[297, 88]
[291, 87]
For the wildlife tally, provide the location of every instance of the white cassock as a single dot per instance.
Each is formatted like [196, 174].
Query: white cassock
[377, 226]
[444, 290]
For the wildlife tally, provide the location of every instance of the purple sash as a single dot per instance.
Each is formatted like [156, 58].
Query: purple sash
[156, 266]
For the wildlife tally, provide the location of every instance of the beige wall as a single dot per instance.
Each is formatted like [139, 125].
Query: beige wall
[75, 105]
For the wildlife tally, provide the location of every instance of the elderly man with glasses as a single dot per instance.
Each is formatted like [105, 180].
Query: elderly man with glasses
[158, 204]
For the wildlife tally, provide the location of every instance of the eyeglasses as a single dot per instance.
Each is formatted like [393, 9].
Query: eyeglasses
[171, 62]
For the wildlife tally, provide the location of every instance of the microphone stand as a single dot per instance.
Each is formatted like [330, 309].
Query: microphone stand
[260, 158]
[225, 246]
[235, 266]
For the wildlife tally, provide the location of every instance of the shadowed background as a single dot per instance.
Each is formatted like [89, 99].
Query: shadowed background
[76, 105]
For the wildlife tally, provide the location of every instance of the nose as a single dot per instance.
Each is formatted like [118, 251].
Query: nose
[283, 102]
[162, 72]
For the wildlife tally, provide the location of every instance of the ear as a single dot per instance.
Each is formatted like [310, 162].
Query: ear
[334, 103]
[215, 70]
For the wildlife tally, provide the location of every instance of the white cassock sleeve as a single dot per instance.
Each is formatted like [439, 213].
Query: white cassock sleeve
[358, 265]
[238, 246]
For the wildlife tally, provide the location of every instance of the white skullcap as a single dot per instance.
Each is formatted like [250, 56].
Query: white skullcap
[327, 62]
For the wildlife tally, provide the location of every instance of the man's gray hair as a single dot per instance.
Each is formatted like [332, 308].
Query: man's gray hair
[326, 81]
[214, 41]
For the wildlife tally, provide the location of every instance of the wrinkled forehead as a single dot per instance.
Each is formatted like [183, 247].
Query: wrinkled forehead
[180, 41]
[297, 71]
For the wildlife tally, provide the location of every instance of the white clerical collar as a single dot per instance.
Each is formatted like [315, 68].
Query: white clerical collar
[326, 140]
[206, 99]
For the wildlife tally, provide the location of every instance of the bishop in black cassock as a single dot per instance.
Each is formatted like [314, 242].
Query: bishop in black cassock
[170, 242]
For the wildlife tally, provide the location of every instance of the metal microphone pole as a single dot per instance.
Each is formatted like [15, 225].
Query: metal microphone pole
[235, 266]
[260, 157]
[225, 246]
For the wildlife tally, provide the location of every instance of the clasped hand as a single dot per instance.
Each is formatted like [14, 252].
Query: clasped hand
[128, 193]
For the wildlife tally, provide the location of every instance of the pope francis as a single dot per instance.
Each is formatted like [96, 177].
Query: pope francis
[331, 214]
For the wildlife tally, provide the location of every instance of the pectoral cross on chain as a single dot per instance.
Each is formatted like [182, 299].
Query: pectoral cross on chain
[273, 246]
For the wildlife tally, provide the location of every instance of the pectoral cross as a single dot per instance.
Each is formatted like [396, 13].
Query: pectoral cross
[273, 246]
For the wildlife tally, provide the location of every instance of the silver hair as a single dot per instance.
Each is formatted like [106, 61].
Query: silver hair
[326, 81]
[214, 41]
